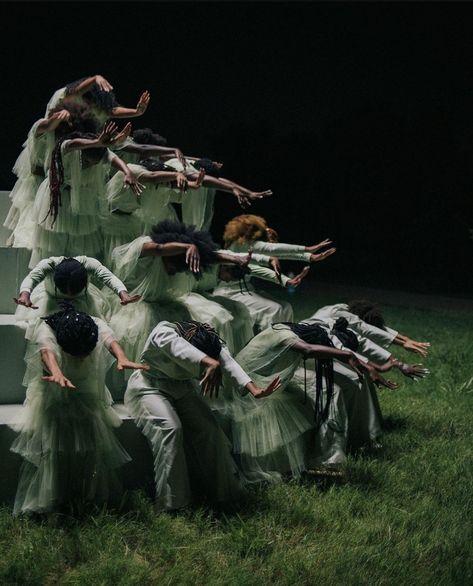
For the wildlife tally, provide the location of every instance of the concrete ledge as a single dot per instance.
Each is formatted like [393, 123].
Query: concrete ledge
[136, 474]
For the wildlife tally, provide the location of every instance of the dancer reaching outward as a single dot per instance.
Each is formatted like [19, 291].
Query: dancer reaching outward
[66, 433]
[192, 459]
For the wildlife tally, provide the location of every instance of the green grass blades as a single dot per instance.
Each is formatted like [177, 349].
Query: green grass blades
[400, 515]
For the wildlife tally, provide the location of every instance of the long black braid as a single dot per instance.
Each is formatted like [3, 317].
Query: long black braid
[56, 172]
[317, 335]
[347, 337]
[202, 336]
[76, 332]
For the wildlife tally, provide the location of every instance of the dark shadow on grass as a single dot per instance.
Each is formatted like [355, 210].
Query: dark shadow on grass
[394, 423]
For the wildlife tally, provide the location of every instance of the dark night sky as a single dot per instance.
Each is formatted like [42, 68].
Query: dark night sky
[357, 115]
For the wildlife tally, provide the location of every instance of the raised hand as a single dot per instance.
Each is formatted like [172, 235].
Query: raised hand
[59, 379]
[269, 390]
[25, 300]
[212, 379]
[108, 134]
[297, 280]
[63, 116]
[322, 255]
[421, 348]
[103, 83]
[193, 258]
[180, 157]
[125, 364]
[121, 137]
[143, 103]
[316, 247]
[126, 298]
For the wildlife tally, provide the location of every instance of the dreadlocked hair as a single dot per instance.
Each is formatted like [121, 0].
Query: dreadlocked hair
[368, 312]
[155, 165]
[70, 276]
[56, 170]
[202, 336]
[174, 231]
[244, 228]
[147, 136]
[315, 334]
[81, 118]
[208, 166]
[347, 337]
[76, 332]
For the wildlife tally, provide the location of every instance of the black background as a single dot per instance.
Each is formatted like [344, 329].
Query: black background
[357, 115]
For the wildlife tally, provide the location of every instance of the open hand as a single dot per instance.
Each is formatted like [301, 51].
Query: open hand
[193, 258]
[380, 381]
[131, 181]
[322, 255]
[297, 280]
[59, 379]
[121, 137]
[103, 83]
[143, 103]
[269, 390]
[421, 348]
[125, 364]
[108, 134]
[316, 247]
[413, 371]
[212, 379]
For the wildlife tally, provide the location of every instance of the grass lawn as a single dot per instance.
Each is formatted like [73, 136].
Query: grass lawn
[402, 516]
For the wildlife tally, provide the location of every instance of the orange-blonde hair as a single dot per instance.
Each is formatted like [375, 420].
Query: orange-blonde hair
[244, 228]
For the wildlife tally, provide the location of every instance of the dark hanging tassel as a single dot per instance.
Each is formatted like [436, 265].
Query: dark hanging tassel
[324, 372]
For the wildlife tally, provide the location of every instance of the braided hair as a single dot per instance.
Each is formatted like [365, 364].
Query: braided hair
[70, 276]
[202, 336]
[368, 312]
[347, 337]
[208, 165]
[76, 332]
[152, 164]
[56, 170]
[174, 231]
[315, 334]
[147, 136]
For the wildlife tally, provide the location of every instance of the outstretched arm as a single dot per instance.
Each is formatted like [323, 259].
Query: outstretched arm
[55, 373]
[163, 152]
[122, 112]
[50, 124]
[407, 343]
[88, 82]
[174, 249]
[122, 360]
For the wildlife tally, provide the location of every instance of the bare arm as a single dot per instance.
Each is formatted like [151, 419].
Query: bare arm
[86, 84]
[56, 376]
[122, 112]
[122, 360]
[174, 249]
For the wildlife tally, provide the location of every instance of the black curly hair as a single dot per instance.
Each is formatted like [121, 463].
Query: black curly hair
[76, 332]
[202, 336]
[70, 276]
[100, 99]
[81, 119]
[174, 231]
[148, 136]
[368, 311]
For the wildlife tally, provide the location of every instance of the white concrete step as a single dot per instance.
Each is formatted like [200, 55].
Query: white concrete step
[4, 207]
[12, 365]
[136, 474]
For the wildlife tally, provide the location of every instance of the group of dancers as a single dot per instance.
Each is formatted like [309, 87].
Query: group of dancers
[220, 378]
